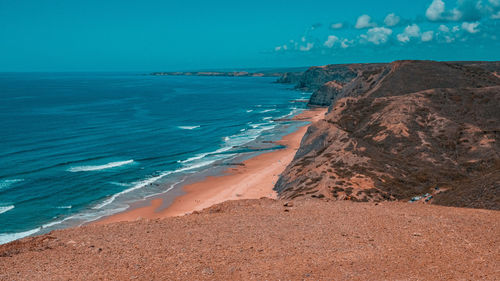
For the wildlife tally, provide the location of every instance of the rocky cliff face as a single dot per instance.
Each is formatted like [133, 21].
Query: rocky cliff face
[401, 130]
[290, 77]
[317, 76]
[326, 94]
[317, 79]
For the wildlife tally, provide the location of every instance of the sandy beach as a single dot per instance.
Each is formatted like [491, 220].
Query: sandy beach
[252, 180]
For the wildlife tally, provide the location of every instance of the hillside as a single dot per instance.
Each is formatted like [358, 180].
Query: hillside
[406, 129]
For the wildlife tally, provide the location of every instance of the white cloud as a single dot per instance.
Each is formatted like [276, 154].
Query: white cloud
[306, 48]
[338, 25]
[470, 27]
[496, 16]
[403, 38]
[377, 35]
[392, 19]
[456, 28]
[410, 31]
[444, 28]
[303, 39]
[346, 43]
[281, 48]
[332, 39]
[364, 21]
[427, 36]
[449, 39]
[435, 10]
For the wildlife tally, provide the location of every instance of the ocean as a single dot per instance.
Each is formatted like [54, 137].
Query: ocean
[75, 147]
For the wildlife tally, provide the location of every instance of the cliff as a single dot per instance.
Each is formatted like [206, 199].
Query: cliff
[316, 79]
[405, 129]
[326, 94]
[317, 76]
[290, 77]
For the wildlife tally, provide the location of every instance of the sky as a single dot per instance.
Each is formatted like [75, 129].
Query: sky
[153, 35]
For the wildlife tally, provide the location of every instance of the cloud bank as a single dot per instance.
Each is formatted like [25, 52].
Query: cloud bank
[443, 22]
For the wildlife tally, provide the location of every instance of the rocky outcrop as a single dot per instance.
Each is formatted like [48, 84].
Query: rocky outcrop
[316, 76]
[402, 130]
[290, 78]
[326, 94]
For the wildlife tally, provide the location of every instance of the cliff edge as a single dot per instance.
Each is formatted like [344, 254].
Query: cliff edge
[410, 130]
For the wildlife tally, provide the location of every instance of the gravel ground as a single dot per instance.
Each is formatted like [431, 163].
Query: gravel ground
[266, 240]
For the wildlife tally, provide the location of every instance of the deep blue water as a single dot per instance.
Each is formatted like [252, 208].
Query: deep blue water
[75, 147]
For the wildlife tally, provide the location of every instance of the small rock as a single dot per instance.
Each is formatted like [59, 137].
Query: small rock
[417, 234]
[286, 210]
[208, 271]
[288, 204]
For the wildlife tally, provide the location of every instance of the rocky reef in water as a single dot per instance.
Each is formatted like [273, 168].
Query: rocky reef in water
[409, 129]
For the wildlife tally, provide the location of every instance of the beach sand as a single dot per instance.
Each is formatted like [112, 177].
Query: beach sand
[252, 180]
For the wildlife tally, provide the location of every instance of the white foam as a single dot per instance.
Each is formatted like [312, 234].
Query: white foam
[143, 183]
[294, 111]
[64, 207]
[188, 127]
[120, 184]
[203, 155]
[8, 183]
[268, 110]
[47, 225]
[4, 209]
[250, 110]
[8, 237]
[167, 190]
[267, 118]
[100, 167]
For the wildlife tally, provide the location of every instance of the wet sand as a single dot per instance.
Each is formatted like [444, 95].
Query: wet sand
[252, 180]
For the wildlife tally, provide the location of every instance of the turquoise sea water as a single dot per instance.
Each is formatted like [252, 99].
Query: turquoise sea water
[76, 147]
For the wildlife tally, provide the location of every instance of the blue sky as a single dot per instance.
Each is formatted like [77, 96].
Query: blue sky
[110, 35]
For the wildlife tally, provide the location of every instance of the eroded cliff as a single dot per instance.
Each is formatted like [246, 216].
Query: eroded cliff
[402, 130]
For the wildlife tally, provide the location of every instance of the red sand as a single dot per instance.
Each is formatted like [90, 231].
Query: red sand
[264, 240]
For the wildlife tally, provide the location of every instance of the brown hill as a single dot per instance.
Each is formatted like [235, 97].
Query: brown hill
[404, 130]
[316, 78]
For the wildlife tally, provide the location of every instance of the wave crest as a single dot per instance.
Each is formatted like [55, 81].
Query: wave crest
[100, 167]
[8, 183]
[4, 209]
[188, 127]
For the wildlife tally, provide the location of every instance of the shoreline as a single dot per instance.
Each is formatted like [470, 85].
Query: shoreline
[259, 175]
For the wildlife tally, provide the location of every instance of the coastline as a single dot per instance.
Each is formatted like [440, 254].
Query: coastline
[258, 175]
